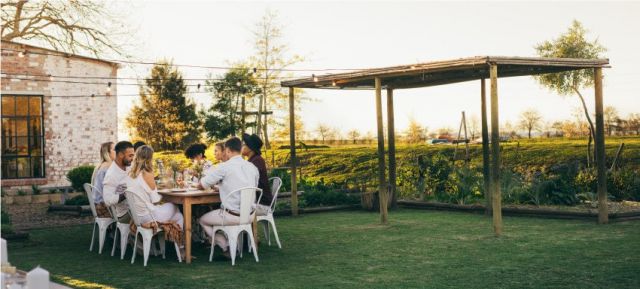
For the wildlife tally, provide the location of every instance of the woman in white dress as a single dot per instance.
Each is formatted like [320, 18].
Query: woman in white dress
[141, 182]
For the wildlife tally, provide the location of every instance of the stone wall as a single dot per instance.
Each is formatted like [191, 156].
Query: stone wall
[75, 123]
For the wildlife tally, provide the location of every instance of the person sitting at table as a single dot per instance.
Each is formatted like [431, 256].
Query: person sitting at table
[140, 181]
[195, 153]
[218, 152]
[148, 205]
[114, 183]
[234, 174]
[252, 144]
[108, 154]
[138, 144]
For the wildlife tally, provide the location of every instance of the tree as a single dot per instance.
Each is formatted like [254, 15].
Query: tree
[71, 26]
[165, 118]
[474, 126]
[572, 44]
[270, 59]
[633, 123]
[283, 132]
[354, 135]
[324, 132]
[232, 94]
[415, 133]
[530, 120]
[611, 118]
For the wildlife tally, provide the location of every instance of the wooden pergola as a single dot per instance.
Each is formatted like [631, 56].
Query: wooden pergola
[447, 72]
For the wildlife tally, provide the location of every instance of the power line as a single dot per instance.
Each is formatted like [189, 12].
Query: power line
[63, 54]
[123, 78]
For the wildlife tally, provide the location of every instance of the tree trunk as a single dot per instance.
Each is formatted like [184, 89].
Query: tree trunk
[586, 113]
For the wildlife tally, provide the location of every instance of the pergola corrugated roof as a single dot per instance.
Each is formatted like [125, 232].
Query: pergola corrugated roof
[443, 72]
[447, 72]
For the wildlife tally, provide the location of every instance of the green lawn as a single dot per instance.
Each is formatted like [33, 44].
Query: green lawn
[351, 250]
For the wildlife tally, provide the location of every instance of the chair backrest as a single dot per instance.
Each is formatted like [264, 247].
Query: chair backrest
[88, 188]
[132, 199]
[276, 183]
[248, 202]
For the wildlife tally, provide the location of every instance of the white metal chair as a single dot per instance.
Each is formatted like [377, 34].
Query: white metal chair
[247, 214]
[124, 229]
[102, 223]
[267, 220]
[146, 233]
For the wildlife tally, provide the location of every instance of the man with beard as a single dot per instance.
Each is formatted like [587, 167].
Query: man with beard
[115, 180]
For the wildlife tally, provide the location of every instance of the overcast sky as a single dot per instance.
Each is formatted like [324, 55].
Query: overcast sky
[357, 34]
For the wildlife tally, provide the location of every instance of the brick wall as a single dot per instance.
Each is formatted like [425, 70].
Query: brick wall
[74, 127]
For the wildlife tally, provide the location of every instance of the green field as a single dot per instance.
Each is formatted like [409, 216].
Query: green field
[417, 249]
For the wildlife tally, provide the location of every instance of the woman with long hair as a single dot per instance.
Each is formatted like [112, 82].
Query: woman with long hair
[107, 155]
[140, 181]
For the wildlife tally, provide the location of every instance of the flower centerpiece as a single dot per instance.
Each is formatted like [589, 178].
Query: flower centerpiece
[197, 167]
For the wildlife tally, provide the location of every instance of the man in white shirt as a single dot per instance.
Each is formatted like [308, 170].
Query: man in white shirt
[115, 180]
[234, 174]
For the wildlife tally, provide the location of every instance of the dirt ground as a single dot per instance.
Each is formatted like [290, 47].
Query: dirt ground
[32, 216]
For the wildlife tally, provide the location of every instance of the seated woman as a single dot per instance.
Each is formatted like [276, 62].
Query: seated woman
[195, 153]
[108, 154]
[140, 182]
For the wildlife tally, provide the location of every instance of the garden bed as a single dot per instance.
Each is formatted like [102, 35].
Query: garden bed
[618, 211]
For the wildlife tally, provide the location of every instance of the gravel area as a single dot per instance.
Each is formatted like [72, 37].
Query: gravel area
[33, 216]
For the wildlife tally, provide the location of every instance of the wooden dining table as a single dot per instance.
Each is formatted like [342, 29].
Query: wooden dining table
[190, 197]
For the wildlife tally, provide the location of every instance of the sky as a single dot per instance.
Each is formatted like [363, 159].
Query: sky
[363, 34]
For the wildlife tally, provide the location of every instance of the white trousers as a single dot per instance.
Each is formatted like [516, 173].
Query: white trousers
[165, 213]
[215, 218]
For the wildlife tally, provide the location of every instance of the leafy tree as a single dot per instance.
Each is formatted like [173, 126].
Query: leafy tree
[415, 132]
[530, 120]
[571, 44]
[233, 95]
[354, 135]
[283, 132]
[271, 56]
[324, 132]
[611, 118]
[165, 118]
[71, 26]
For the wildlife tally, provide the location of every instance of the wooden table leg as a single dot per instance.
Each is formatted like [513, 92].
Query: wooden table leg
[186, 207]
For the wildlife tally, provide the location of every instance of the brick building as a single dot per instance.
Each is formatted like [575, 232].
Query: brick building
[57, 109]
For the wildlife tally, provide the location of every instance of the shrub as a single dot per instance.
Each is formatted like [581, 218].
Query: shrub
[6, 227]
[79, 176]
[467, 188]
[81, 200]
[22, 193]
[35, 190]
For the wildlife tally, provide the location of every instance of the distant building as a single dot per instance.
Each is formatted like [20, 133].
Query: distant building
[53, 121]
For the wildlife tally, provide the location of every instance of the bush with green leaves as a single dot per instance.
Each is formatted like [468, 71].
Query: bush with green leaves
[81, 200]
[6, 223]
[79, 176]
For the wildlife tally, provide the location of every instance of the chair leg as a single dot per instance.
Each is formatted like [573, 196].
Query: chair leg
[135, 248]
[212, 245]
[253, 244]
[124, 237]
[103, 235]
[146, 247]
[93, 235]
[265, 229]
[161, 242]
[233, 243]
[115, 241]
[241, 243]
[275, 232]
[178, 252]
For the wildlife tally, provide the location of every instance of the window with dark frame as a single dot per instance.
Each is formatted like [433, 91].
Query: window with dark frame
[22, 137]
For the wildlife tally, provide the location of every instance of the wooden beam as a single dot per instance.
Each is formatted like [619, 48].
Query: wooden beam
[496, 197]
[603, 214]
[382, 186]
[292, 143]
[486, 166]
[391, 136]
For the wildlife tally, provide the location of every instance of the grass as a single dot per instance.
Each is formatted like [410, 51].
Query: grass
[417, 249]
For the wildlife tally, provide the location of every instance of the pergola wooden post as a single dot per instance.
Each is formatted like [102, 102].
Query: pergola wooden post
[391, 136]
[382, 186]
[292, 143]
[486, 166]
[603, 214]
[496, 197]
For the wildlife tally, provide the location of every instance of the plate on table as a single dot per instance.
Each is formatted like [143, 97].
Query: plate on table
[179, 190]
